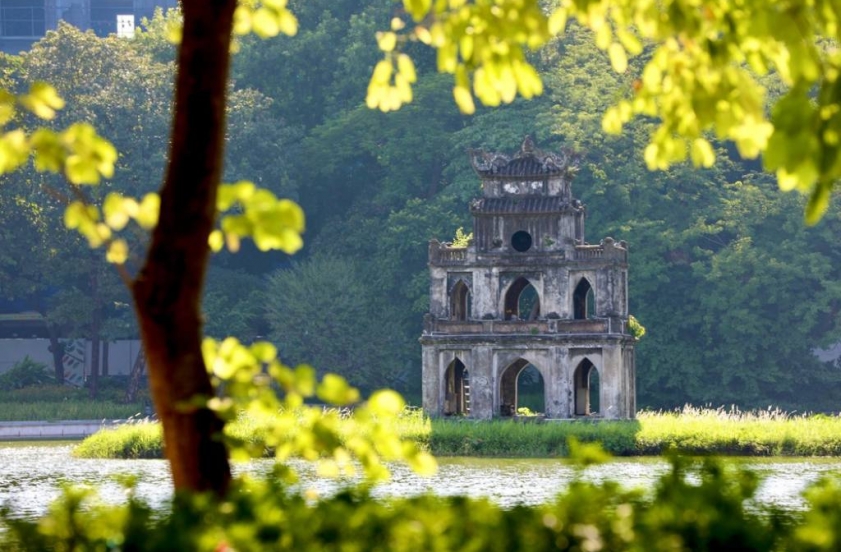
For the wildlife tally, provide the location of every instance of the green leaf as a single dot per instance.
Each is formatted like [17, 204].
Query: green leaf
[305, 380]
[612, 121]
[216, 241]
[117, 252]
[265, 23]
[118, 210]
[242, 20]
[586, 454]
[264, 351]
[287, 23]
[818, 203]
[386, 41]
[618, 57]
[335, 390]
[148, 211]
[42, 100]
[464, 100]
[702, 153]
[558, 21]
[418, 9]
[50, 153]
[14, 150]
[422, 463]
[81, 170]
[386, 403]
[406, 67]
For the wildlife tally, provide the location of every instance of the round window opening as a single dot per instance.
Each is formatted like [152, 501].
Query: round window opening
[521, 241]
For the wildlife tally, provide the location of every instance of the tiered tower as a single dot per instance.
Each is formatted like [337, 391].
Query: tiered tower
[528, 290]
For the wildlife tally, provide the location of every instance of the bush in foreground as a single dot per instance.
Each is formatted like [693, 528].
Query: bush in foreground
[716, 511]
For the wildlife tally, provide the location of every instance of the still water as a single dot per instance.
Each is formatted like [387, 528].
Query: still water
[31, 475]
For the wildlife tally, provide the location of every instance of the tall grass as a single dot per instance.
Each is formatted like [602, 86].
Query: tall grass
[136, 439]
[688, 430]
[64, 402]
[71, 409]
[770, 432]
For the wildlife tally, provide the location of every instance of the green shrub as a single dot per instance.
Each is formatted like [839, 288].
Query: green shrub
[26, 373]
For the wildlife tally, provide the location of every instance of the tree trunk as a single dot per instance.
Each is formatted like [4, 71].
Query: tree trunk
[57, 350]
[168, 289]
[106, 345]
[96, 327]
[94, 376]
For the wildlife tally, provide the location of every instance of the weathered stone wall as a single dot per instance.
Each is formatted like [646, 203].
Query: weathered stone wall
[528, 229]
[487, 360]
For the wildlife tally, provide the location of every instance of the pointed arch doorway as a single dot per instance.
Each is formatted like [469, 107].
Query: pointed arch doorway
[522, 302]
[456, 389]
[521, 384]
[587, 385]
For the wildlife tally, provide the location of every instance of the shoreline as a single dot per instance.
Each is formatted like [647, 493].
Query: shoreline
[58, 430]
[691, 432]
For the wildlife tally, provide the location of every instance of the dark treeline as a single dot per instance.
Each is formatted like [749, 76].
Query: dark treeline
[735, 292]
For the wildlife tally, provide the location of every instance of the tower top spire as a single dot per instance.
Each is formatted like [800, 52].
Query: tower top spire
[529, 162]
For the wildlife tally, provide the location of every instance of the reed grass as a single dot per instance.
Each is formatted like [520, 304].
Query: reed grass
[135, 439]
[690, 430]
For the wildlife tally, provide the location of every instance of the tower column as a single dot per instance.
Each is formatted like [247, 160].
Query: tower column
[431, 387]
[481, 383]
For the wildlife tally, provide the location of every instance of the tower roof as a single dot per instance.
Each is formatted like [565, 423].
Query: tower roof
[529, 162]
[529, 205]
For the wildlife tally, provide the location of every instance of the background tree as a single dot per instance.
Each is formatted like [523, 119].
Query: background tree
[324, 312]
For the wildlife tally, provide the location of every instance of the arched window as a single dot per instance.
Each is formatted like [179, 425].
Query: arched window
[521, 385]
[587, 383]
[456, 389]
[522, 301]
[460, 301]
[583, 300]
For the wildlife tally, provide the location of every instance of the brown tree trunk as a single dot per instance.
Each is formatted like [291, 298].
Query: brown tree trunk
[93, 383]
[106, 345]
[168, 288]
[96, 327]
[57, 350]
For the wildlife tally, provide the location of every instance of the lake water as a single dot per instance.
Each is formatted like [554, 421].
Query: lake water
[31, 475]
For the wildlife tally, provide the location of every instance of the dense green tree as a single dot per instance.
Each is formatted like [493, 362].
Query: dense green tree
[234, 305]
[323, 312]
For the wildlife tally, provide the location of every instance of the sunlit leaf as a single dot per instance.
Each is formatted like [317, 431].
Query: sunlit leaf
[117, 252]
[335, 390]
[817, 204]
[148, 211]
[464, 100]
[702, 153]
[386, 41]
[386, 403]
[618, 58]
[42, 100]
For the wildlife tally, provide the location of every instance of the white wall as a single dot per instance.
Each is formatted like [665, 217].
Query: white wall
[121, 356]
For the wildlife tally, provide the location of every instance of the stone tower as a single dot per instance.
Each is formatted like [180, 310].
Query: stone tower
[528, 291]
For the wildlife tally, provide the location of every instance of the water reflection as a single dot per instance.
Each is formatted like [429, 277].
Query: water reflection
[31, 476]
